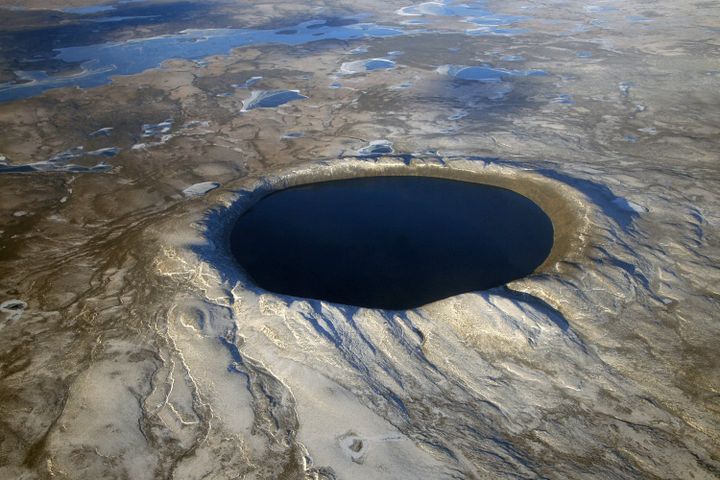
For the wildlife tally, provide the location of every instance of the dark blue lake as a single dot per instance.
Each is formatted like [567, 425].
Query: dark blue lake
[390, 242]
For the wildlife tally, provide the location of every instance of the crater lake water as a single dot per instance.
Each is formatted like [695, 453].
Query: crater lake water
[390, 242]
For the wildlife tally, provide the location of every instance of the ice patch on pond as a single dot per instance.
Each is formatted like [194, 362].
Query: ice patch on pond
[376, 148]
[160, 132]
[631, 138]
[248, 83]
[431, 8]
[401, 86]
[118, 19]
[60, 162]
[562, 99]
[600, 8]
[13, 310]
[145, 145]
[485, 74]
[455, 9]
[271, 98]
[415, 21]
[103, 132]
[379, 64]
[67, 155]
[367, 65]
[512, 58]
[496, 30]
[52, 167]
[458, 115]
[155, 129]
[292, 135]
[624, 88]
[197, 123]
[485, 21]
[105, 152]
[200, 189]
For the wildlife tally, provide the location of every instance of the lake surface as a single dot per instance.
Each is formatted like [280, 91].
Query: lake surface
[390, 242]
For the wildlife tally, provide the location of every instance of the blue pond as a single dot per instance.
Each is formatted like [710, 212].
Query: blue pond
[390, 242]
[486, 74]
[271, 98]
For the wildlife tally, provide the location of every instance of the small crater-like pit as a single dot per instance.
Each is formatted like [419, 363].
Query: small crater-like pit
[390, 242]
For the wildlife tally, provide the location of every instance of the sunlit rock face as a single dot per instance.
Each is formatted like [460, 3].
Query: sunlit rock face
[135, 135]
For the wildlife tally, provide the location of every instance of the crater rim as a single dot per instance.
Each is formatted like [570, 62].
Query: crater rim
[566, 208]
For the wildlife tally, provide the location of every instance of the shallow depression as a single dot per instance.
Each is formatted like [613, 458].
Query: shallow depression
[390, 242]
